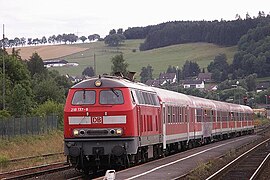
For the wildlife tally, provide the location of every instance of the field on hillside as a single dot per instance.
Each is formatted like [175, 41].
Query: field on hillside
[159, 59]
[47, 52]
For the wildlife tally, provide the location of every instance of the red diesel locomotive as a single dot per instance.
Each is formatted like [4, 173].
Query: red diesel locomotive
[112, 121]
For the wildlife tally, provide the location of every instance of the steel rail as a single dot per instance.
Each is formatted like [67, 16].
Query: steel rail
[216, 174]
[35, 171]
[258, 170]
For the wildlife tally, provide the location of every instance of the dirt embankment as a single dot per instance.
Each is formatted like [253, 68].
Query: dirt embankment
[47, 52]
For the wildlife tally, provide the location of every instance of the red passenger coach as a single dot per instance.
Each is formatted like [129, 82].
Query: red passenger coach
[110, 121]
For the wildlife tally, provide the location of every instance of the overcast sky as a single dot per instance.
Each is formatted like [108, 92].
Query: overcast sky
[37, 18]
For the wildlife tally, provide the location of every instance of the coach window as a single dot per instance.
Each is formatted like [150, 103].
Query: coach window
[213, 116]
[241, 116]
[146, 100]
[221, 114]
[232, 116]
[155, 99]
[151, 102]
[177, 114]
[186, 115]
[180, 114]
[218, 116]
[199, 115]
[140, 97]
[111, 96]
[169, 114]
[224, 116]
[206, 116]
[83, 97]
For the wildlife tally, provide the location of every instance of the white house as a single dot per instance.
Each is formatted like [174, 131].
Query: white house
[190, 83]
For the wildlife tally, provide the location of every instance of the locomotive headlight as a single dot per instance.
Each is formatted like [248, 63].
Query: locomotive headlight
[98, 83]
[75, 132]
[119, 131]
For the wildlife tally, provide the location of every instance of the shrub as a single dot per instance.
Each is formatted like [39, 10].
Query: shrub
[48, 108]
[4, 114]
[3, 161]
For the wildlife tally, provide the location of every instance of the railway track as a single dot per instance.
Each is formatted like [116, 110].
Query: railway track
[35, 171]
[34, 157]
[58, 167]
[246, 166]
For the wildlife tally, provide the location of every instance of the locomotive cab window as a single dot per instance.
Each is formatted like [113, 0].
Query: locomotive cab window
[111, 96]
[83, 97]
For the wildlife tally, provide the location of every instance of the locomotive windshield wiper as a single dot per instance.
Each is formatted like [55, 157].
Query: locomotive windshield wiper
[114, 92]
[83, 94]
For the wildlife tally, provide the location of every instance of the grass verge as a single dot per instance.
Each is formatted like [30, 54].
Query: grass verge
[30, 145]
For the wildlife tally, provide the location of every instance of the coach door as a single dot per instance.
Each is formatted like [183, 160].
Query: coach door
[164, 120]
[139, 118]
[207, 123]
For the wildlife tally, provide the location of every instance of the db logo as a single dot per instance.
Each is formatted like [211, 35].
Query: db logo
[97, 120]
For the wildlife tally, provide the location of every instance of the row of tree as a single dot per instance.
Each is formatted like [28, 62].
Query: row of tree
[64, 38]
[221, 32]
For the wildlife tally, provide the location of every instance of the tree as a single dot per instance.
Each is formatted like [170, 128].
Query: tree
[114, 39]
[120, 31]
[44, 40]
[88, 71]
[83, 38]
[251, 82]
[146, 74]
[20, 103]
[59, 38]
[171, 69]
[190, 69]
[119, 65]
[29, 41]
[16, 73]
[23, 41]
[61, 80]
[47, 89]
[52, 39]
[17, 41]
[35, 64]
[93, 37]
[113, 31]
[219, 67]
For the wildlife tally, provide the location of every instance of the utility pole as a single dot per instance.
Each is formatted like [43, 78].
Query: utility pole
[95, 71]
[3, 58]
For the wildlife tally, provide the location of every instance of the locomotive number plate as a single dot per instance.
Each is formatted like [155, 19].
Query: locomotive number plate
[96, 120]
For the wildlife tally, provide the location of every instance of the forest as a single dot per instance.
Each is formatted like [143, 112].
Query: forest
[224, 33]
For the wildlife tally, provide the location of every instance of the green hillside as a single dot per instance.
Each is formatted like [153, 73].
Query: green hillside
[159, 59]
